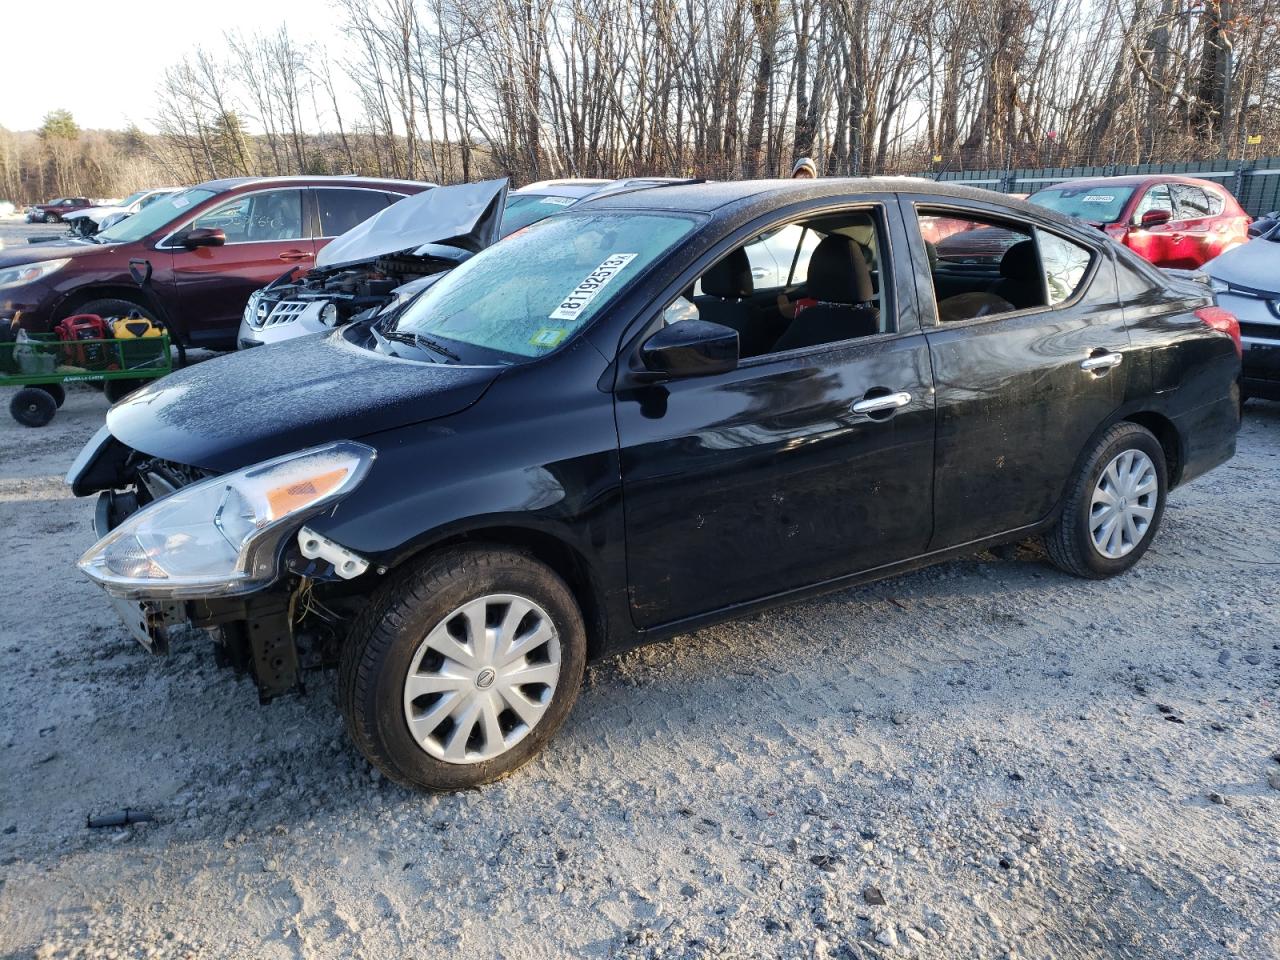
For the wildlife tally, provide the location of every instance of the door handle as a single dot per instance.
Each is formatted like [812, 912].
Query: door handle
[891, 401]
[1101, 362]
[290, 256]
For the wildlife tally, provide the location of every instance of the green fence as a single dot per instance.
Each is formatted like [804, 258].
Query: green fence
[1255, 183]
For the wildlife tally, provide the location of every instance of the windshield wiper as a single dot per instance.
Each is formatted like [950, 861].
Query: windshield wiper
[422, 342]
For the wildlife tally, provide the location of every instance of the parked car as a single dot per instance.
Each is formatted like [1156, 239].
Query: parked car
[1264, 224]
[537, 463]
[378, 265]
[1171, 221]
[388, 260]
[87, 222]
[55, 210]
[209, 247]
[1247, 282]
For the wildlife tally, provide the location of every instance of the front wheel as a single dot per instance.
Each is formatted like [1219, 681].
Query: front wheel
[1113, 506]
[462, 670]
[50, 218]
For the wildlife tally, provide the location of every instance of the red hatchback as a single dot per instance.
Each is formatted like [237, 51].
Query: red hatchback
[209, 247]
[1171, 221]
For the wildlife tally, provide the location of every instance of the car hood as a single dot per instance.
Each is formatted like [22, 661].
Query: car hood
[245, 407]
[1251, 264]
[51, 249]
[467, 216]
[96, 213]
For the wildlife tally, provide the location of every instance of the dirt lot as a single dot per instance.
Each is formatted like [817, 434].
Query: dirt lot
[1018, 763]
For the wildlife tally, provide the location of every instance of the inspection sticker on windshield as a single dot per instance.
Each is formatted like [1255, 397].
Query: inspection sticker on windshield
[1097, 198]
[571, 307]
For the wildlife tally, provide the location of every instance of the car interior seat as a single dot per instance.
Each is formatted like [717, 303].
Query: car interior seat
[725, 299]
[840, 281]
[1020, 282]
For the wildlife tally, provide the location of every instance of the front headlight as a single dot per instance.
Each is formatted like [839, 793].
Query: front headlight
[222, 536]
[30, 272]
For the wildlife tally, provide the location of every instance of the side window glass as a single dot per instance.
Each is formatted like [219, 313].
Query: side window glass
[980, 268]
[1156, 198]
[340, 210]
[257, 217]
[1191, 202]
[764, 267]
[1064, 264]
[835, 293]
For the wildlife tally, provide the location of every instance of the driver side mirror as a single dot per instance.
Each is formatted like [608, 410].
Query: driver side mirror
[690, 348]
[1153, 218]
[204, 237]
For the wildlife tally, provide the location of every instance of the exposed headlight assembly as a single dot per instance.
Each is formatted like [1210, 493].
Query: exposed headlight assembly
[30, 272]
[222, 536]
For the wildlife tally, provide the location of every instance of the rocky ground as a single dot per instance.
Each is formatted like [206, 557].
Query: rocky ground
[986, 759]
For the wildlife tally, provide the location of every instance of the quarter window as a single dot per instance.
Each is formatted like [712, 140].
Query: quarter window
[257, 217]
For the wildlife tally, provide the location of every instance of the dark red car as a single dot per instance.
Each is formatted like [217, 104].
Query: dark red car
[55, 210]
[209, 247]
[1171, 221]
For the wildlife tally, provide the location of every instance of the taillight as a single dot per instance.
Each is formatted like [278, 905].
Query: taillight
[1224, 321]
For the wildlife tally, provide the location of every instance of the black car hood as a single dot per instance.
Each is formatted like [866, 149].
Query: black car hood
[48, 250]
[246, 407]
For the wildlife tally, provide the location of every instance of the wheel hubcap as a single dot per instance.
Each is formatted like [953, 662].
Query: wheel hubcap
[1123, 504]
[482, 679]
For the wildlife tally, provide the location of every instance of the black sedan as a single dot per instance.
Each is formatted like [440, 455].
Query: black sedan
[599, 433]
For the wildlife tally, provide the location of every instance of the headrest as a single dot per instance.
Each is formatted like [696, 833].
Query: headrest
[838, 272]
[730, 279]
[1020, 261]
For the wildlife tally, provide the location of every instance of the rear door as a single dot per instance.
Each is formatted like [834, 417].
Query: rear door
[267, 233]
[1019, 392]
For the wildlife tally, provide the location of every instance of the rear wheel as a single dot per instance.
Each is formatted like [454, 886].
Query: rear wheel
[462, 670]
[117, 390]
[50, 218]
[1114, 505]
[32, 407]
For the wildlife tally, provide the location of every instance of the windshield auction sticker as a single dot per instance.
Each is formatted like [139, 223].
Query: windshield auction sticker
[1097, 198]
[579, 297]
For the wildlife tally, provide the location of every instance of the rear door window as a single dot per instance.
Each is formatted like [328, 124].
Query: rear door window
[340, 209]
[1190, 202]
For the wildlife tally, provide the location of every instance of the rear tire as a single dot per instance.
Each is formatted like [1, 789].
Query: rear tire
[1113, 506]
[32, 407]
[50, 218]
[391, 652]
[117, 390]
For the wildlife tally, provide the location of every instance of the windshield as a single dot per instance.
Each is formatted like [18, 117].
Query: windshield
[133, 198]
[1099, 203]
[529, 294]
[526, 208]
[154, 216]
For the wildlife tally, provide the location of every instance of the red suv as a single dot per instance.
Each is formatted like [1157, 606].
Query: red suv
[1171, 221]
[55, 210]
[209, 247]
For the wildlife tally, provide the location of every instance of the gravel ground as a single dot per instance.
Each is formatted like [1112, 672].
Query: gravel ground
[984, 759]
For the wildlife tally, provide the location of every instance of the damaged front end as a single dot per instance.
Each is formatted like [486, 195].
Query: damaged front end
[379, 265]
[230, 552]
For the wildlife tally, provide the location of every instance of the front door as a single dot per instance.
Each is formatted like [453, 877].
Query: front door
[266, 235]
[796, 468]
[1026, 371]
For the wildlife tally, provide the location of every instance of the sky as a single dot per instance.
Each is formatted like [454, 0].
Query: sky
[108, 92]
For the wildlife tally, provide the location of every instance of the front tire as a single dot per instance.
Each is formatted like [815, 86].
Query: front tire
[1114, 505]
[50, 218]
[461, 670]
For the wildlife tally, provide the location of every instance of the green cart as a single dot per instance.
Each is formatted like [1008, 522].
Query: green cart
[41, 363]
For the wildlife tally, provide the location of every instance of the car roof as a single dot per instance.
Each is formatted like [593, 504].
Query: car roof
[711, 197]
[561, 188]
[234, 183]
[1131, 180]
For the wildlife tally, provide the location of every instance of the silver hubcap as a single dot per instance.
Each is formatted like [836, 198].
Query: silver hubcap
[1124, 501]
[482, 679]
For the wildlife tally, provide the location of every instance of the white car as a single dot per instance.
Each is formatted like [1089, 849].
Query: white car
[87, 222]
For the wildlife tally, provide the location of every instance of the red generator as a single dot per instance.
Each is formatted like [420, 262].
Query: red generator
[76, 329]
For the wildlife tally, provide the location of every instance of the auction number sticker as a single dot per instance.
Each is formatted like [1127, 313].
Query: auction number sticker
[579, 297]
[1097, 198]
[558, 201]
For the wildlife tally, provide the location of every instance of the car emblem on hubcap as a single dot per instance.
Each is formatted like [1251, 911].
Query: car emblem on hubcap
[485, 678]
